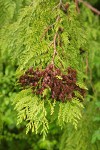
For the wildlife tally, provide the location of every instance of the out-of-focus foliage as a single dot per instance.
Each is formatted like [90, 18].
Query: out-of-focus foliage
[87, 135]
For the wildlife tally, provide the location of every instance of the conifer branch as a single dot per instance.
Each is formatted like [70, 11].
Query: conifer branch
[90, 7]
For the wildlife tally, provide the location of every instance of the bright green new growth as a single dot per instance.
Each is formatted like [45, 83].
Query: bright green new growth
[35, 111]
[32, 40]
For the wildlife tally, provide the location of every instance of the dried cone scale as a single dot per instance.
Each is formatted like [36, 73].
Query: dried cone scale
[62, 86]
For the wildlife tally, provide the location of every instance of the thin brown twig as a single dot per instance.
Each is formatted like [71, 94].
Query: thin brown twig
[45, 31]
[77, 8]
[55, 37]
[60, 3]
[49, 27]
[50, 44]
[59, 40]
[58, 6]
[55, 50]
[90, 7]
[54, 42]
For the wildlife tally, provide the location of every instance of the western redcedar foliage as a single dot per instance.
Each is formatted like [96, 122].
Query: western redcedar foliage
[44, 34]
[47, 32]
